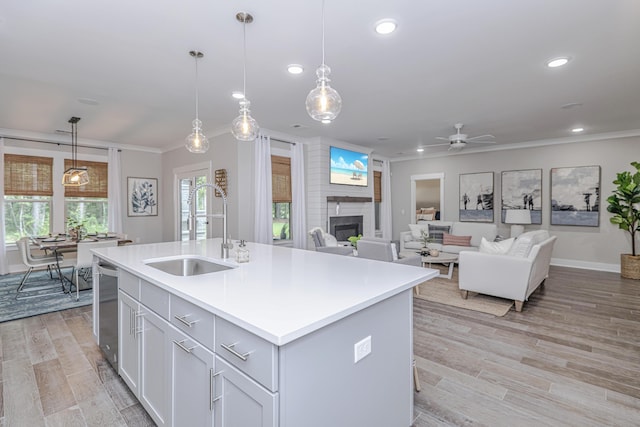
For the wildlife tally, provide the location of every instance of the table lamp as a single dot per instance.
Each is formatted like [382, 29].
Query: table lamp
[517, 218]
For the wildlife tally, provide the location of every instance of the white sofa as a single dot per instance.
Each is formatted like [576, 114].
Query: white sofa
[410, 241]
[513, 275]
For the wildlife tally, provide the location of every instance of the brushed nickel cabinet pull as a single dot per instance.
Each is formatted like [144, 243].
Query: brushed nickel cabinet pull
[182, 346]
[230, 349]
[183, 320]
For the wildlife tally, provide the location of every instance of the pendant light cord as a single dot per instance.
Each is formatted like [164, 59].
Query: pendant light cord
[322, 32]
[74, 143]
[195, 57]
[244, 58]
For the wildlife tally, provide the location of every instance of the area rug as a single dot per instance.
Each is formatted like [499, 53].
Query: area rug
[446, 291]
[40, 295]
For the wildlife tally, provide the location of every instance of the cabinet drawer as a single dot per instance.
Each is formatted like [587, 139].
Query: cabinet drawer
[193, 320]
[251, 354]
[129, 283]
[155, 298]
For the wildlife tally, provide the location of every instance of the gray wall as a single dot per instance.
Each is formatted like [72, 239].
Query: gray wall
[147, 165]
[588, 247]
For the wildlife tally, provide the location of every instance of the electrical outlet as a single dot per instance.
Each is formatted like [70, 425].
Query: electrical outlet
[361, 349]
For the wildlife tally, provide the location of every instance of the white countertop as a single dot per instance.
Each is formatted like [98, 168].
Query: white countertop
[282, 293]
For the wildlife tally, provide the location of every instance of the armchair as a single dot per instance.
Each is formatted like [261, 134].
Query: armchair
[514, 275]
[384, 250]
[325, 242]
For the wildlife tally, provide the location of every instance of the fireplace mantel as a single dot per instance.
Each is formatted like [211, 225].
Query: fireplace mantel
[349, 199]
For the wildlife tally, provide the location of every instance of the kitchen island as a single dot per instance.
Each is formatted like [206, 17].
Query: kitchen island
[291, 338]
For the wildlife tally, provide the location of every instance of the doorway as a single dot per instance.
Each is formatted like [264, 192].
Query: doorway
[427, 191]
[192, 218]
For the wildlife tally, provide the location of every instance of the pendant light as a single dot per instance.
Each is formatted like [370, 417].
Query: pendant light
[75, 176]
[323, 103]
[244, 127]
[197, 142]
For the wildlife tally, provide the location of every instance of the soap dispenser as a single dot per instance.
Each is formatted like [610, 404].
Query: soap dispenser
[242, 253]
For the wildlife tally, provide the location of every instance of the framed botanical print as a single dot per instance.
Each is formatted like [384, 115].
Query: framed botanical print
[522, 189]
[142, 198]
[476, 197]
[575, 196]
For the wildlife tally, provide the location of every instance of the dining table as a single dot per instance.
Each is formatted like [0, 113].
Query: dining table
[60, 244]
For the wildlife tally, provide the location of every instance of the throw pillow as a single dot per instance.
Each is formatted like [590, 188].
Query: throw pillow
[394, 252]
[497, 248]
[436, 232]
[524, 242]
[416, 230]
[450, 239]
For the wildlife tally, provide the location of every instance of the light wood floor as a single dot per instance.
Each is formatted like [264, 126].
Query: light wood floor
[571, 358]
[53, 374]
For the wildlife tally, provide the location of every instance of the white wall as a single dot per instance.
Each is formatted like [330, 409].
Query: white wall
[588, 247]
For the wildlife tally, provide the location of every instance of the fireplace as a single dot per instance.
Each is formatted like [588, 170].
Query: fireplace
[343, 227]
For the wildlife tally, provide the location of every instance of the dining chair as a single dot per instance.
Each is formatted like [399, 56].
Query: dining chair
[84, 260]
[36, 261]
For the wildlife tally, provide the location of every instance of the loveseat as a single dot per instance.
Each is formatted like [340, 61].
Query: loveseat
[462, 236]
[512, 272]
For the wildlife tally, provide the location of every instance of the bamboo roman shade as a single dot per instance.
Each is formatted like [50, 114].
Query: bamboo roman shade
[281, 179]
[98, 179]
[28, 175]
[377, 186]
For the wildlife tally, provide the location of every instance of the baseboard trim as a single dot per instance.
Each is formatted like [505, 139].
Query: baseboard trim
[586, 265]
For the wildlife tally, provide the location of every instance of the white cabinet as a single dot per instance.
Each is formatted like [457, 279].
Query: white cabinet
[128, 347]
[240, 401]
[144, 354]
[154, 365]
[192, 381]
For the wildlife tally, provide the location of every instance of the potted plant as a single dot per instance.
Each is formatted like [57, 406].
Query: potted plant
[354, 240]
[624, 204]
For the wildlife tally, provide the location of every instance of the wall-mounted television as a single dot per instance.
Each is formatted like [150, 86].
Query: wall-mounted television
[348, 167]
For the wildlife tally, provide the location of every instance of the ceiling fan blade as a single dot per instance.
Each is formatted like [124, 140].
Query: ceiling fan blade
[435, 145]
[442, 138]
[482, 142]
[480, 136]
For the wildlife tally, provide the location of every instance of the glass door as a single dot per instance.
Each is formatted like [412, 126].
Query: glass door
[194, 224]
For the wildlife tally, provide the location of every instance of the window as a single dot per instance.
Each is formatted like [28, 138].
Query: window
[281, 195]
[88, 204]
[377, 196]
[28, 189]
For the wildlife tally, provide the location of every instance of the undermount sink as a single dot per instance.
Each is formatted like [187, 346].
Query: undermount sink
[187, 265]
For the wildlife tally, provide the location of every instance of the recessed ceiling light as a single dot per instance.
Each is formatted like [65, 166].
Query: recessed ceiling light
[386, 26]
[420, 150]
[557, 62]
[383, 138]
[237, 95]
[295, 69]
[577, 130]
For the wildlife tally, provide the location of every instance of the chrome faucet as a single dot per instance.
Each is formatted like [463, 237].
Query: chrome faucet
[224, 248]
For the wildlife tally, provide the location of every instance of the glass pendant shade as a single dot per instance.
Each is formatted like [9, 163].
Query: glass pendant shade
[75, 177]
[197, 142]
[323, 103]
[244, 127]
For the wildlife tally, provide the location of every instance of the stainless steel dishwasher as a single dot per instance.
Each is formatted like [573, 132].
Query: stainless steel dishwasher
[108, 312]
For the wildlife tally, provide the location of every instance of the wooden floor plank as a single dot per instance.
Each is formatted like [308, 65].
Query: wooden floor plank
[21, 399]
[55, 393]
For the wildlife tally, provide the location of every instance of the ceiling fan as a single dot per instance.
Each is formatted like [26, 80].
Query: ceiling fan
[459, 140]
